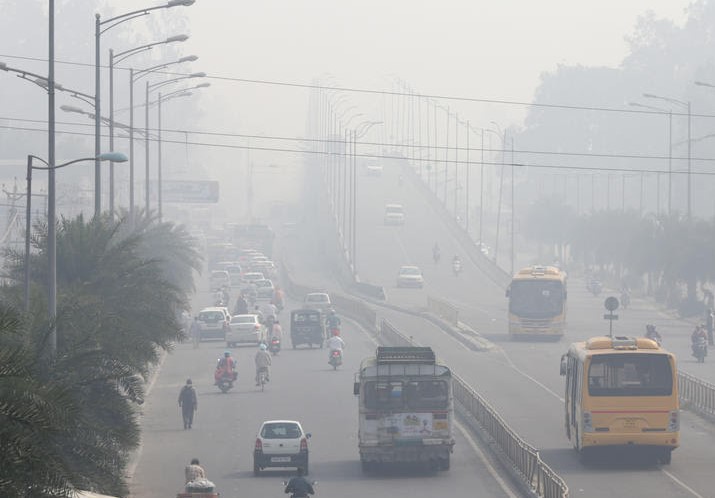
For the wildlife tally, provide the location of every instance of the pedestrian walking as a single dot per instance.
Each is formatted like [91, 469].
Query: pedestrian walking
[188, 403]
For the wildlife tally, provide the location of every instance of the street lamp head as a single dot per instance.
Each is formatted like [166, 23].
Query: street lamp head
[71, 108]
[197, 75]
[178, 3]
[3, 66]
[203, 85]
[115, 157]
[189, 58]
[650, 96]
[177, 38]
[699, 83]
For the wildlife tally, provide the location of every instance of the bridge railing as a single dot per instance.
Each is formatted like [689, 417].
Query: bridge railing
[538, 477]
[696, 394]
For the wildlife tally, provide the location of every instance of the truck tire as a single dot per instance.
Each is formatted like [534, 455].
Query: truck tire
[444, 463]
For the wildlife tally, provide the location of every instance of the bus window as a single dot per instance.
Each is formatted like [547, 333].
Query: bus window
[630, 375]
[536, 298]
[383, 395]
[427, 395]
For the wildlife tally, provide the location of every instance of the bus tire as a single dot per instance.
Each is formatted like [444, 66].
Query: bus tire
[444, 463]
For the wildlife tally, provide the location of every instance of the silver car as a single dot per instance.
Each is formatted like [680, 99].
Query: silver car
[245, 329]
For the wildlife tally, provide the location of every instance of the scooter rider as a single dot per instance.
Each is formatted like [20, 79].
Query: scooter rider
[435, 253]
[226, 367]
[335, 343]
[263, 362]
[333, 320]
[699, 336]
[299, 486]
[652, 333]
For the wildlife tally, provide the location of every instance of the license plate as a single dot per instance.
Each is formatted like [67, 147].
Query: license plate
[280, 459]
[629, 423]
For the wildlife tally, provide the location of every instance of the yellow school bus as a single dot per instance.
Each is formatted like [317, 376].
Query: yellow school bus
[621, 392]
[537, 303]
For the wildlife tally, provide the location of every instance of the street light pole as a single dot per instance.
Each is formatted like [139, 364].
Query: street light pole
[98, 31]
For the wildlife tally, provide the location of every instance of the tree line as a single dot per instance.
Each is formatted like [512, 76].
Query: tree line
[669, 257]
[70, 420]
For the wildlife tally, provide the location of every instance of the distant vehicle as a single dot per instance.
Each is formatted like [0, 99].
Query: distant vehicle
[264, 289]
[373, 169]
[306, 327]
[213, 322]
[267, 267]
[483, 248]
[281, 443]
[252, 276]
[537, 303]
[218, 280]
[405, 408]
[394, 214]
[318, 301]
[245, 329]
[410, 276]
[621, 394]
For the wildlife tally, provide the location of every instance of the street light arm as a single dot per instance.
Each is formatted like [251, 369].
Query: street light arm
[154, 86]
[113, 21]
[667, 99]
[133, 51]
[144, 72]
[703, 83]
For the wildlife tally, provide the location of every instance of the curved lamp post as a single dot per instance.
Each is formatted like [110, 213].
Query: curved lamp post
[101, 27]
[184, 92]
[685, 105]
[51, 236]
[116, 59]
[149, 88]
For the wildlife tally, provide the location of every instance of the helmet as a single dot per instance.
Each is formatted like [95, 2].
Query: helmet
[650, 327]
[336, 332]
[227, 353]
[332, 312]
[188, 382]
[263, 347]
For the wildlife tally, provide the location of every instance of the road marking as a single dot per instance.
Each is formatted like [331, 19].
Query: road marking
[490, 468]
[681, 484]
[532, 379]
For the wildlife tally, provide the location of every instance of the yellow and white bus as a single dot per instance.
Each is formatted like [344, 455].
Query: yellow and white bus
[621, 392]
[537, 303]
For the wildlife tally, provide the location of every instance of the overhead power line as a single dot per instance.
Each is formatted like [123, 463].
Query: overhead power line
[393, 93]
[380, 144]
[396, 157]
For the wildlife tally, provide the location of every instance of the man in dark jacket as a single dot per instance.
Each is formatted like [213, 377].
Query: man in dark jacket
[298, 486]
[188, 403]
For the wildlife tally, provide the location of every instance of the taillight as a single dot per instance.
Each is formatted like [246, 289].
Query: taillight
[259, 445]
[587, 422]
[303, 444]
[674, 421]
[257, 327]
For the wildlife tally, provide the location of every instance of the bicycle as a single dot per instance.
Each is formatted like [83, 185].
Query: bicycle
[262, 373]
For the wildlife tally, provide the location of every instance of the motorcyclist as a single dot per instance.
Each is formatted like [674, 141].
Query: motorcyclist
[652, 333]
[278, 298]
[456, 263]
[699, 336]
[299, 486]
[226, 367]
[335, 343]
[333, 320]
[263, 362]
[277, 331]
[241, 306]
[435, 252]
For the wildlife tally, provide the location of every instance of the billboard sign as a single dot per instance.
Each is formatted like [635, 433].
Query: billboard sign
[190, 191]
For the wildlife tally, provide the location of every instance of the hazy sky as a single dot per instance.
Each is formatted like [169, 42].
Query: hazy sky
[481, 49]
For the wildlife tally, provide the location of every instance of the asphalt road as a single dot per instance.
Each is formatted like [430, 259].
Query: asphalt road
[522, 379]
[303, 387]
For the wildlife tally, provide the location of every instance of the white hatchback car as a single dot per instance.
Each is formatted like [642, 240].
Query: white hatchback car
[281, 443]
[317, 301]
[218, 280]
[410, 276]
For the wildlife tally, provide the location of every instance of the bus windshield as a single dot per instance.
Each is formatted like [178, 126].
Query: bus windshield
[536, 298]
[416, 395]
[630, 375]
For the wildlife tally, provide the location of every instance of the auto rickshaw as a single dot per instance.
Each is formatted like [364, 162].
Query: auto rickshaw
[307, 327]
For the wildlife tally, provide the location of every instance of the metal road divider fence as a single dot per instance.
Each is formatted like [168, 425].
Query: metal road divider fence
[520, 456]
[443, 309]
[696, 395]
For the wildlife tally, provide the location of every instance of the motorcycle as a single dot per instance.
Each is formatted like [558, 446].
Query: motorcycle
[274, 346]
[336, 358]
[436, 255]
[295, 495]
[457, 267]
[225, 382]
[625, 300]
[700, 349]
[594, 287]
